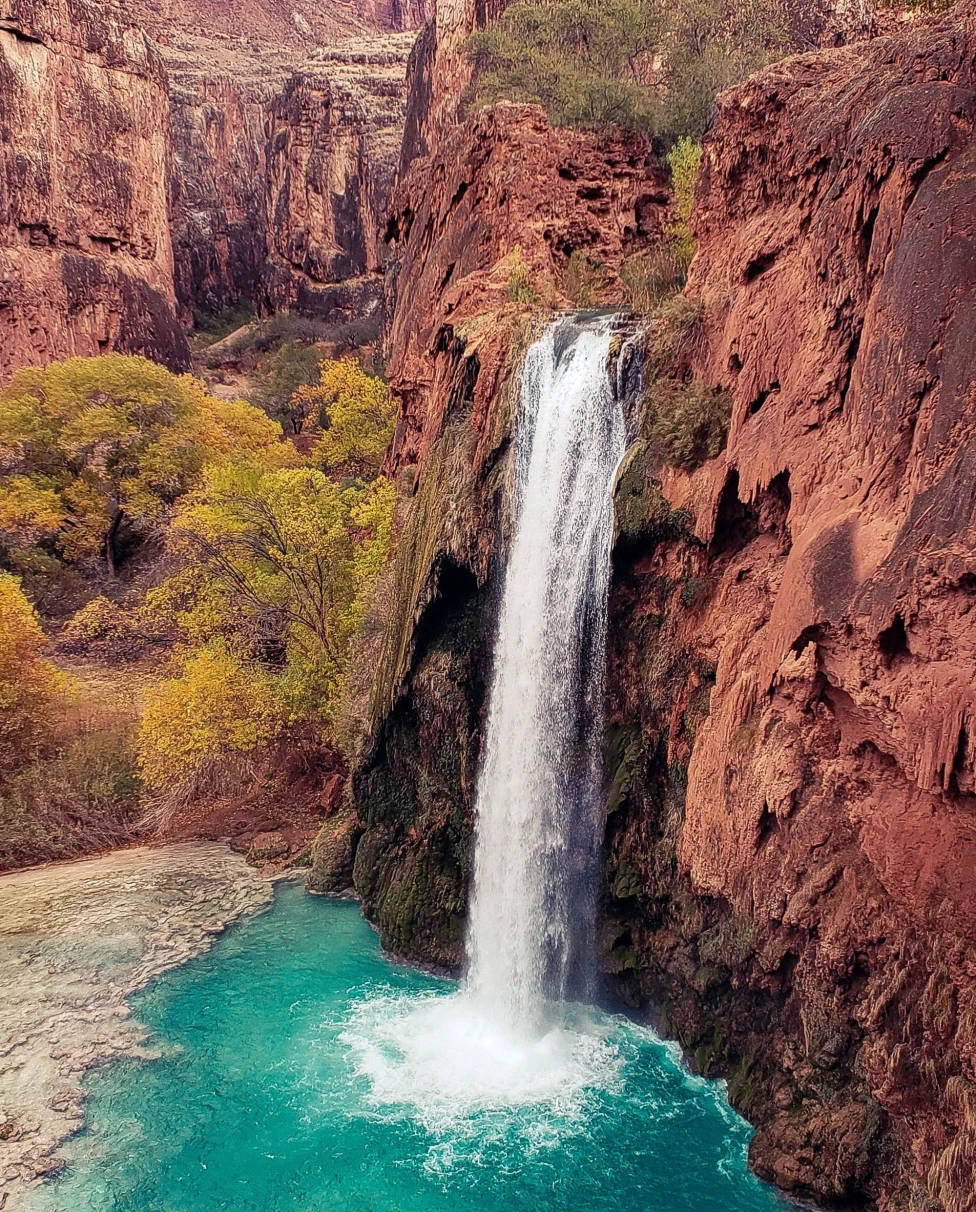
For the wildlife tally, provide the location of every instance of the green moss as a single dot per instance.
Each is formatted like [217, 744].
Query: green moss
[744, 1085]
[640, 507]
[729, 943]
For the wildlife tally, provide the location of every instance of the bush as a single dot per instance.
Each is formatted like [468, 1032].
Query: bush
[30, 686]
[519, 289]
[83, 797]
[637, 64]
[357, 416]
[103, 630]
[584, 280]
[213, 326]
[200, 728]
[653, 277]
[675, 336]
[686, 424]
[278, 379]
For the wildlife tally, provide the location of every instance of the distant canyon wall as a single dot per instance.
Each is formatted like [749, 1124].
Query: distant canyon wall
[86, 259]
[141, 180]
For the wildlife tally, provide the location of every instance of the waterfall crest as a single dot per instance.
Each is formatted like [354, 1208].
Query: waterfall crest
[512, 1036]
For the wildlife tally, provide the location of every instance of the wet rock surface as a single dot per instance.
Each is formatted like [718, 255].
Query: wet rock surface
[76, 939]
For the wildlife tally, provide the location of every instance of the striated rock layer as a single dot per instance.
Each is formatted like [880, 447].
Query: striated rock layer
[86, 262]
[792, 841]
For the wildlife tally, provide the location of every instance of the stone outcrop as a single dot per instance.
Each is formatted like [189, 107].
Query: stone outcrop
[792, 836]
[85, 256]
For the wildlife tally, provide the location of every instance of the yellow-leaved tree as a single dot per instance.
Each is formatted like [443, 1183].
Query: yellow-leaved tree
[29, 685]
[280, 570]
[356, 415]
[216, 714]
[93, 451]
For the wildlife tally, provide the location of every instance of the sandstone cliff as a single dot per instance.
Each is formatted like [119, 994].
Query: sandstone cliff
[86, 261]
[792, 848]
[234, 161]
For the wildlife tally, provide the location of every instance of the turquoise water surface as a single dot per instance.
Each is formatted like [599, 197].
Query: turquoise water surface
[266, 1098]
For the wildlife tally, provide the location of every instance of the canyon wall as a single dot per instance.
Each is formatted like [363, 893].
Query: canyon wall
[792, 842]
[790, 800]
[190, 163]
[86, 262]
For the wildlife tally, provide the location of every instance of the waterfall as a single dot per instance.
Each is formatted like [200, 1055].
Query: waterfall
[538, 806]
[512, 1036]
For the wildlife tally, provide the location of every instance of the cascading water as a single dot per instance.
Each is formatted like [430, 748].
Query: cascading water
[510, 1037]
[538, 799]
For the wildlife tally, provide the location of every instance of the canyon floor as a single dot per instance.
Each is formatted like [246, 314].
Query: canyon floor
[76, 940]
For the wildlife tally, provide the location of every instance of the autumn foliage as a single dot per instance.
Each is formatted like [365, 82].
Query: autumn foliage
[267, 548]
[30, 685]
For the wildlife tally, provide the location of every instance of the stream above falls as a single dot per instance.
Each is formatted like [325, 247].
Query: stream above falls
[262, 1100]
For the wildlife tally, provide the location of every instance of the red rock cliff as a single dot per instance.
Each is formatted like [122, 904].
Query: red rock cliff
[805, 910]
[86, 261]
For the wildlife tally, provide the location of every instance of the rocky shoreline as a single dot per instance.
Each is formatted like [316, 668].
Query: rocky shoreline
[76, 940]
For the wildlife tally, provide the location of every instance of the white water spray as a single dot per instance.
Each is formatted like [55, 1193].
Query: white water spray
[509, 1037]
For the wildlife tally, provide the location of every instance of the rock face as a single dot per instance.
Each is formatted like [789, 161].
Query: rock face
[792, 835]
[86, 262]
[279, 178]
[791, 830]
[141, 182]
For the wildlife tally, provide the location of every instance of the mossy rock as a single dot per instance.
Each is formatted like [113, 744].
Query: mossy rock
[332, 856]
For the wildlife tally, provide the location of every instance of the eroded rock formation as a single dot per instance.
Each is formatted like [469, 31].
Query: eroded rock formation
[86, 261]
[233, 161]
[793, 842]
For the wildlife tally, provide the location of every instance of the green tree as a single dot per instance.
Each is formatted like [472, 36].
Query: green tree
[649, 65]
[95, 450]
[356, 414]
[29, 684]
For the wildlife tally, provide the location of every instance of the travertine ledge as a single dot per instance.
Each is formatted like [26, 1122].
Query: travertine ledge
[76, 939]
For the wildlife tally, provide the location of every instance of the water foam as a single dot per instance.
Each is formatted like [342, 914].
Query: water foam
[450, 1059]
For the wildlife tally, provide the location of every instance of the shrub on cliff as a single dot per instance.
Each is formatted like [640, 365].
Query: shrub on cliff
[648, 65]
[96, 450]
[686, 423]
